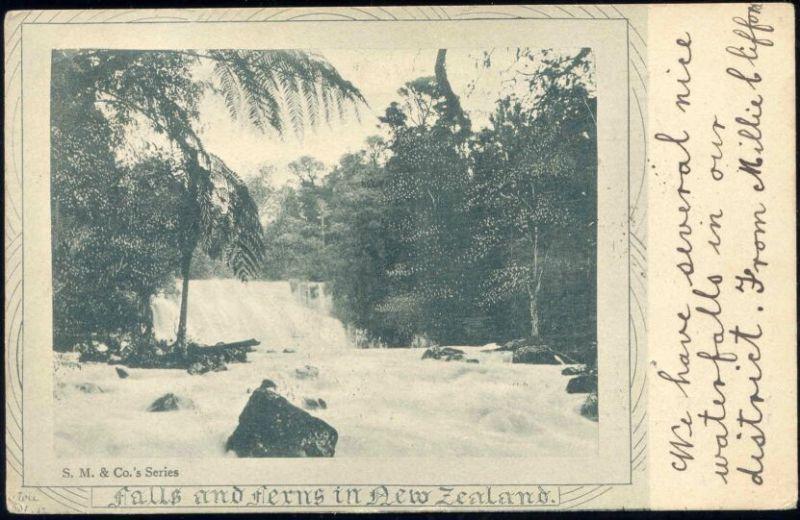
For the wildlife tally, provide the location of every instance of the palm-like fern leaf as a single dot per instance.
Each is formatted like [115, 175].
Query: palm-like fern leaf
[278, 86]
[230, 222]
[274, 89]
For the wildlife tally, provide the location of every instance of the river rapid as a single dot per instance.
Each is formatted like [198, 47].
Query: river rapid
[383, 402]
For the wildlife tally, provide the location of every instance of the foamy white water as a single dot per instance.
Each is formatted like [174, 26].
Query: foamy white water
[383, 402]
[230, 310]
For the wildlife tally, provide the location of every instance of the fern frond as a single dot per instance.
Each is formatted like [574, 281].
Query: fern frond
[281, 88]
[235, 230]
[229, 88]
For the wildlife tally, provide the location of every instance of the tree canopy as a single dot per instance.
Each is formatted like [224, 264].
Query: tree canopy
[455, 234]
[100, 98]
[440, 228]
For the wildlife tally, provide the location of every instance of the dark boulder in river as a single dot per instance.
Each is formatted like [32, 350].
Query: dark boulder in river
[170, 402]
[589, 407]
[574, 370]
[314, 404]
[444, 354]
[306, 372]
[270, 426]
[535, 355]
[207, 364]
[582, 384]
[89, 388]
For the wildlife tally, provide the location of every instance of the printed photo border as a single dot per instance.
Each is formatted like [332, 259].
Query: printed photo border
[80, 498]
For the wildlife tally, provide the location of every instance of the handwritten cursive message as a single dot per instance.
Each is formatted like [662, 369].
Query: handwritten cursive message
[714, 160]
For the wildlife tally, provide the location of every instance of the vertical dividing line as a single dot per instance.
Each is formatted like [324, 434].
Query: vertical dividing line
[21, 359]
[628, 217]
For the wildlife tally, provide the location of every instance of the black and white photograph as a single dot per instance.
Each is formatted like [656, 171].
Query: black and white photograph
[324, 252]
[394, 258]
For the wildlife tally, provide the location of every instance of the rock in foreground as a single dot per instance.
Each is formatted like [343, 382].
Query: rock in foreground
[270, 426]
[582, 384]
[309, 403]
[574, 370]
[170, 402]
[208, 363]
[306, 372]
[89, 388]
[535, 355]
[444, 354]
[589, 407]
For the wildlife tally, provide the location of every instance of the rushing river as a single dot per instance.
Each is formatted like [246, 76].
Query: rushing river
[383, 402]
[229, 310]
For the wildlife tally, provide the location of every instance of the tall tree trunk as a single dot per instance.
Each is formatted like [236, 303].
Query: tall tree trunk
[454, 111]
[145, 315]
[191, 214]
[534, 312]
[534, 284]
[186, 264]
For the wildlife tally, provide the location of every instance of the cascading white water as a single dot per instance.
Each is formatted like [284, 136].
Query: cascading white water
[383, 402]
[271, 312]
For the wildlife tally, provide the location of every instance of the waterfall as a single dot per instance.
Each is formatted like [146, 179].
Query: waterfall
[277, 314]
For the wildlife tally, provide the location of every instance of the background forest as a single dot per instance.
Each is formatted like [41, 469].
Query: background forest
[437, 230]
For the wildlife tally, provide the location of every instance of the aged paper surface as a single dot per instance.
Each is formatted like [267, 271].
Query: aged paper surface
[496, 258]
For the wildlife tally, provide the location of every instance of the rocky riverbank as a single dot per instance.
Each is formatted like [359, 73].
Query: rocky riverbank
[381, 402]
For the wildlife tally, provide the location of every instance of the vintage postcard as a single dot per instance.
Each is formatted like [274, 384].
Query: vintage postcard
[400, 259]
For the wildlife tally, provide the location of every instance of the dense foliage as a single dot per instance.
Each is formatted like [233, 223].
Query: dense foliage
[454, 235]
[439, 230]
[135, 194]
[534, 198]
[115, 227]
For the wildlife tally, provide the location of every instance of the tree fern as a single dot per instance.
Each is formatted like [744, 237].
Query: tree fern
[278, 86]
[236, 226]
[273, 90]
